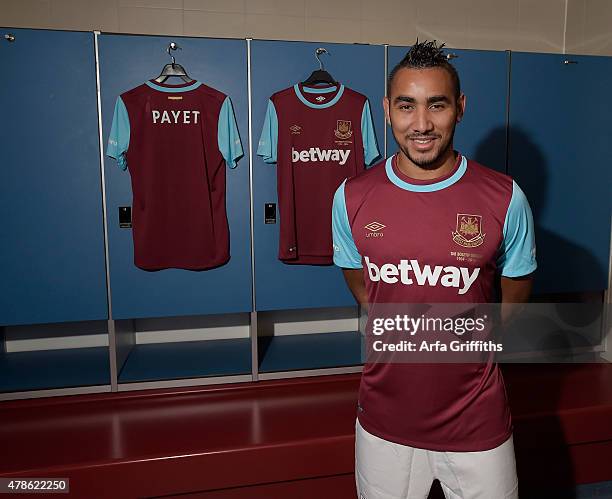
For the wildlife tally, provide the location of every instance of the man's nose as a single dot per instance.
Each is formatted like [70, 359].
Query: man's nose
[422, 122]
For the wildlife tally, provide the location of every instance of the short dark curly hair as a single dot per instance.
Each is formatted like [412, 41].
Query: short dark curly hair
[423, 55]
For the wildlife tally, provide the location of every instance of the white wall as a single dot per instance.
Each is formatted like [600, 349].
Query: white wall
[527, 25]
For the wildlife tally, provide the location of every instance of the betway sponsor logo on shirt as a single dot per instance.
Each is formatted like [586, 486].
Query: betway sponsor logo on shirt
[409, 272]
[315, 154]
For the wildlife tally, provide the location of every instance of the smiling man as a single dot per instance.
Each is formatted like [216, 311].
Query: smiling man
[428, 225]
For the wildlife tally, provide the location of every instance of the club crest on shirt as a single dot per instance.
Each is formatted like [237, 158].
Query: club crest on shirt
[468, 232]
[295, 129]
[343, 129]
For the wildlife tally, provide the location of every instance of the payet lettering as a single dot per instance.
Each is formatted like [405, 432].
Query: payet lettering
[176, 117]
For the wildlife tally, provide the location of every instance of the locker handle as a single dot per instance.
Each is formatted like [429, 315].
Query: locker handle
[451, 56]
[567, 61]
[10, 37]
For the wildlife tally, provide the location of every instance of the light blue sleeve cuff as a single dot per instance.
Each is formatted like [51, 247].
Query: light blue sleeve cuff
[228, 138]
[119, 138]
[370, 148]
[268, 142]
[345, 251]
[518, 250]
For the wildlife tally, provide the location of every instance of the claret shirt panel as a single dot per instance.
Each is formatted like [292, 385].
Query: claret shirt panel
[438, 241]
[176, 140]
[318, 137]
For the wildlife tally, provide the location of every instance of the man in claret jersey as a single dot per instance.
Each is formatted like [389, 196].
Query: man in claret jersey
[401, 231]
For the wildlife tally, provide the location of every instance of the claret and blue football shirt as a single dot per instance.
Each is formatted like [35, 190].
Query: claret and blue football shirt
[434, 241]
[318, 136]
[175, 140]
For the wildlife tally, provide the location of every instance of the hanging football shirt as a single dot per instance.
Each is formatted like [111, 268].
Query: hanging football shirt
[435, 241]
[176, 140]
[318, 136]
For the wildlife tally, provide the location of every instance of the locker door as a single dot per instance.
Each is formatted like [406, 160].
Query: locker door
[276, 66]
[52, 267]
[126, 62]
[560, 122]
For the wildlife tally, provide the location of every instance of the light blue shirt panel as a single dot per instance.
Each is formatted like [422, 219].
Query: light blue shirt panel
[370, 148]
[518, 250]
[311, 90]
[119, 139]
[228, 137]
[435, 186]
[268, 141]
[345, 251]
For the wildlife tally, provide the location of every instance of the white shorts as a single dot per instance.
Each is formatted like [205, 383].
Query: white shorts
[386, 470]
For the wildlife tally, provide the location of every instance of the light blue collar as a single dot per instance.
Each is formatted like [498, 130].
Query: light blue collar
[174, 88]
[436, 186]
[312, 90]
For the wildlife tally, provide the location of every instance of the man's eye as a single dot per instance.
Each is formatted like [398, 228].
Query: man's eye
[406, 107]
[437, 106]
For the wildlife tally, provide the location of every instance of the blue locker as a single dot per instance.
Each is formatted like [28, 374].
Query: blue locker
[126, 62]
[275, 66]
[559, 150]
[483, 74]
[52, 241]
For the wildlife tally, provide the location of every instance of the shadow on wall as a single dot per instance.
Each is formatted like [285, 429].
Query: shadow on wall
[560, 265]
[491, 152]
[564, 327]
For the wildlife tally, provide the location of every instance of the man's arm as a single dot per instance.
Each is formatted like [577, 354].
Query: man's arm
[354, 280]
[514, 291]
[516, 261]
[346, 255]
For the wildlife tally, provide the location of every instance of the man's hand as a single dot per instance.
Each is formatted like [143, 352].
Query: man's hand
[354, 280]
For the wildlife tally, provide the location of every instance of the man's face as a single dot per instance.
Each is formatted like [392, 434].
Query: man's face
[423, 112]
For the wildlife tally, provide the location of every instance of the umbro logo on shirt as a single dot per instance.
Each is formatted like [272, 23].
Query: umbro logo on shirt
[374, 228]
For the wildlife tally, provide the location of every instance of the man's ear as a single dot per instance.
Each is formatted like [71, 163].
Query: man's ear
[460, 107]
[386, 108]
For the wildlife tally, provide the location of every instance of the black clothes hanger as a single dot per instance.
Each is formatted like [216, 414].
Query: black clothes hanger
[320, 75]
[173, 69]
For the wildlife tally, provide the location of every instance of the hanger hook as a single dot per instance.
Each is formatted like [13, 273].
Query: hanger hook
[172, 46]
[318, 53]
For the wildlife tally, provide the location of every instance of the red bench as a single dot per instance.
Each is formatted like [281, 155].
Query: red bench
[280, 439]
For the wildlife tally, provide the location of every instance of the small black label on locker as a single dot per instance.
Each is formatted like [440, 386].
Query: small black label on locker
[270, 213]
[125, 217]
